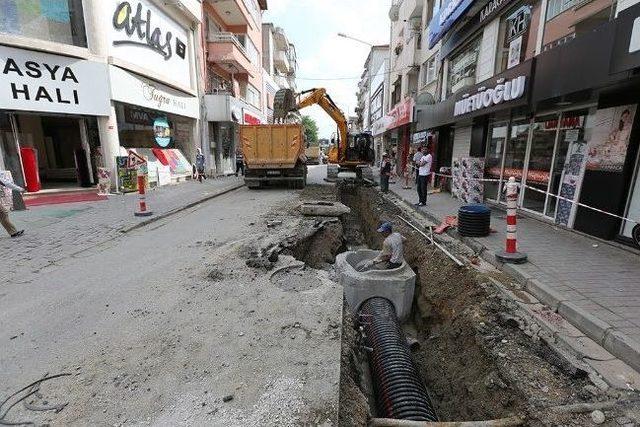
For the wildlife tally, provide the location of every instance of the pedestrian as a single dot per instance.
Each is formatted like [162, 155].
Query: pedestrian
[392, 254]
[407, 172]
[4, 211]
[239, 161]
[424, 170]
[385, 173]
[200, 166]
[416, 158]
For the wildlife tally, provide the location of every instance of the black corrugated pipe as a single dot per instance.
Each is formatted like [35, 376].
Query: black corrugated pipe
[400, 392]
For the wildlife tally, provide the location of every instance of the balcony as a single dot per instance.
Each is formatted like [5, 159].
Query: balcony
[233, 12]
[281, 62]
[411, 9]
[280, 39]
[226, 49]
[394, 11]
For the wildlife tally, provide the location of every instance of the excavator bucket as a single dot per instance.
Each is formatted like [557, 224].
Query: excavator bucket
[283, 104]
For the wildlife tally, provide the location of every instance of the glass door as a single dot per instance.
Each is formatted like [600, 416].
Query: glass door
[543, 141]
[516, 150]
[493, 159]
[571, 132]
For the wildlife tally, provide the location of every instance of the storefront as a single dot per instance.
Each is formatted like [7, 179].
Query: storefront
[393, 133]
[156, 121]
[48, 106]
[225, 114]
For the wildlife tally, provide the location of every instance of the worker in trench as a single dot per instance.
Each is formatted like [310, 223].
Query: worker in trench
[392, 254]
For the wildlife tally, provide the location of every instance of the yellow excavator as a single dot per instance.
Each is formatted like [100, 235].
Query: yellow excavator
[351, 152]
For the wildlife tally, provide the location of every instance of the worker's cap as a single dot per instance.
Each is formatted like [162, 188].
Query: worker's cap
[385, 227]
[385, 155]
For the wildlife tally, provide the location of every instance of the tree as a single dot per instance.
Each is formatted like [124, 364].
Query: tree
[310, 130]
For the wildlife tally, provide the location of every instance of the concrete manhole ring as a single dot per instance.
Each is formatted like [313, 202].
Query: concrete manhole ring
[295, 278]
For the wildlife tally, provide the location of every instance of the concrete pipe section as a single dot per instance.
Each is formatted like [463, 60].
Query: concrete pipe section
[396, 285]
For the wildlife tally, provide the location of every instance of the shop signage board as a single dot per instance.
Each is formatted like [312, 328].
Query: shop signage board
[250, 119]
[144, 35]
[42, 82]
[137, 90]
[450, 12]
[508, 89]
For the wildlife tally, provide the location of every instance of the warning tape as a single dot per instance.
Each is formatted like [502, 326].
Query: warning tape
[573, 202]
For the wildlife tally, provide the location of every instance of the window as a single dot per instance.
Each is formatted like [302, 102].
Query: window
[253, 96]
[462, 67]
[252, 52]
[376, 104]
[513, 37]
[395, 94]
[429, 71]
[556, 7]
[58, 21]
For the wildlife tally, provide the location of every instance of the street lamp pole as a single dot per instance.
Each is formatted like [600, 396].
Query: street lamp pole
[345, 36]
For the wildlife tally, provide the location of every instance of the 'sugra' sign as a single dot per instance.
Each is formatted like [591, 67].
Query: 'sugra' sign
[504, 91]
[35, 81]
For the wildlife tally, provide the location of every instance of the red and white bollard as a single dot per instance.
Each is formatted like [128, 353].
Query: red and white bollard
[142, 199]
[511, 254]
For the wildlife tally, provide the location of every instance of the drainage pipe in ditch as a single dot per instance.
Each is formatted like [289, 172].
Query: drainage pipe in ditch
[400, 391]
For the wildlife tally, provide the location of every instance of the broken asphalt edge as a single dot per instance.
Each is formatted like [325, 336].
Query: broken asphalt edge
[606, 335]
[174, 211]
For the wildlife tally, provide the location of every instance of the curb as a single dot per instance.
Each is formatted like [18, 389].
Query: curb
[181, 208]
[612, 340]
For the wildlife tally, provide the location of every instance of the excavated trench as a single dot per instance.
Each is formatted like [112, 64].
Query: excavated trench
[475, 361]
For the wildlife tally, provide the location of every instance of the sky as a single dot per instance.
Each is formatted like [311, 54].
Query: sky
[313, 26]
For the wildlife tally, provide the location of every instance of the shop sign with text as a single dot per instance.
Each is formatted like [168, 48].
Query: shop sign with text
[143, 35]
[443, 20]
[135, 90]
[502, 92]
[36, 81]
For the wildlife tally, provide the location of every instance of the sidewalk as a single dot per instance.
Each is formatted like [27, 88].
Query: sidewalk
[594, 285]
[54, 232]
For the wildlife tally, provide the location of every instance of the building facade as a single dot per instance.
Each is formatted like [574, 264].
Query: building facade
[279, 63]
[545, 91]
[233, 75]
[82, 83]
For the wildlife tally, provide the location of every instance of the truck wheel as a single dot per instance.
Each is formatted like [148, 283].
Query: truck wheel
[636, 234]
[254, 185]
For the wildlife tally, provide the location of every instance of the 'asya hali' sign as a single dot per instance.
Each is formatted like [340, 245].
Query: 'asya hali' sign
[144, 35]
[504, 91]
[35, 81]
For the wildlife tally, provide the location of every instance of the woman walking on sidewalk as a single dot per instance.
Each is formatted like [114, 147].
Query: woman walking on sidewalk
[200, 166]
[4, 212]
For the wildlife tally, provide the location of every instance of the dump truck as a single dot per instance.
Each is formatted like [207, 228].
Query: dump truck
[274, 153]
[313, 154]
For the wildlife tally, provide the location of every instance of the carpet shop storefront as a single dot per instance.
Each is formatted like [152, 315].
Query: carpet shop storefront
[48, 109]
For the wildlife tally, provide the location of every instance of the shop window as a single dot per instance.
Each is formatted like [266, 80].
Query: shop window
[462, 67]
[516, 149]
[513, 36]
[59, 21]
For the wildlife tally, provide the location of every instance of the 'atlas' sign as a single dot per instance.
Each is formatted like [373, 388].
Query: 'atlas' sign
[142, 34]
[504, 91]
[35, 81]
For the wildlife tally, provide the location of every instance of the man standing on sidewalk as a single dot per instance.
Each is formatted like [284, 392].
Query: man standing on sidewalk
[385, 173]
[424, 170]
[4, 212]
[416, 159]
[239, 161]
